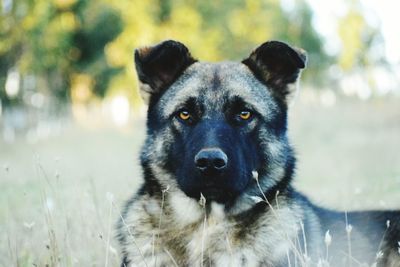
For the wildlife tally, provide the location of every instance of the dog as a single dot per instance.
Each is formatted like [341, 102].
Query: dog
[217, 167]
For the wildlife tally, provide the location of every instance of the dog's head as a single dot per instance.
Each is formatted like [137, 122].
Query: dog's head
[212, 125]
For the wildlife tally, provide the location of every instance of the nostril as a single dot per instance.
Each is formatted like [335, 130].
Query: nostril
[201, 163]
[219, 163]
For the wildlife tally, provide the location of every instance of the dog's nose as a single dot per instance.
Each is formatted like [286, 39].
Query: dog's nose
[211, 159]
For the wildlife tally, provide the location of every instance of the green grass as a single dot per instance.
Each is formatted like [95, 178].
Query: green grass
[55, 210]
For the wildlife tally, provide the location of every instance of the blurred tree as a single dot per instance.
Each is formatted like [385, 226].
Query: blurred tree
[57, 40]
[11, 33]
[84, 48]
[100, 25]
[358, 37]
[213, 30]
[259, 21]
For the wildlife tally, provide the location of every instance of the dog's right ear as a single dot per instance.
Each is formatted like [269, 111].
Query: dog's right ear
[160, 65]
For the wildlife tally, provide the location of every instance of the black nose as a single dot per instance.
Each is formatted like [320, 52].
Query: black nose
[209, 159]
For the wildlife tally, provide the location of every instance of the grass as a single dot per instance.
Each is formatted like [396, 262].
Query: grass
[351, 149]
[54, 197]
[55, 194]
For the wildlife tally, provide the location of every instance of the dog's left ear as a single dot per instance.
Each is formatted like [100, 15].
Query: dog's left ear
[160, 65]
[277, 65]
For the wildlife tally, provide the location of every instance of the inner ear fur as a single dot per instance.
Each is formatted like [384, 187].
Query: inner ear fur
[278, 65]
[160, 65]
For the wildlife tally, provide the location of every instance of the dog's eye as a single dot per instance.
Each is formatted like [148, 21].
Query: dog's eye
[184, 115]
[245, 115]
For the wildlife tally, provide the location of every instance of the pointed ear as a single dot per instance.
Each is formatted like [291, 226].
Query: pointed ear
[277, 65]
[160, 65]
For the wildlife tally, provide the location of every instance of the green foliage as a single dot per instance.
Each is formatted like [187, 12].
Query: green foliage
[357, 38]
[55, 40]
[83, 48]
[100, 25]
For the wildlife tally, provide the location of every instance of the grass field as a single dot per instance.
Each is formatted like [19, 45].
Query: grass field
[57, 194]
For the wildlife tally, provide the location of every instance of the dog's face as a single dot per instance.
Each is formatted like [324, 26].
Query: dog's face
[214, 116]
[211, 125]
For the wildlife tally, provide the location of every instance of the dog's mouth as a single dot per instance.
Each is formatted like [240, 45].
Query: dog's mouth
[221, 189]
[217, 194]
[211, 193]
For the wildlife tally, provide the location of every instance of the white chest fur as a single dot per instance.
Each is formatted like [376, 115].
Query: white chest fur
[185, 235]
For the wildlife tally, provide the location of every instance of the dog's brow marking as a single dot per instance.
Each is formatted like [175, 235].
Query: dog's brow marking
[213, 81]
[189, 85]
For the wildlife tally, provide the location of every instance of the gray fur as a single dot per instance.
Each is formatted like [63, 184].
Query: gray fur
[167, 228]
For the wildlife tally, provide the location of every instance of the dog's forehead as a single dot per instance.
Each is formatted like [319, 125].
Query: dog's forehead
[214, 83]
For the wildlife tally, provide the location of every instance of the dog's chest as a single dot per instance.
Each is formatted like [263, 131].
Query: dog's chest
[185, 235]
[211, 239]
[218, 240]
[215, 241]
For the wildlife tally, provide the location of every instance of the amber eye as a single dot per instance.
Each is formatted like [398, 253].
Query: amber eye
[245, 115]
[184, 115]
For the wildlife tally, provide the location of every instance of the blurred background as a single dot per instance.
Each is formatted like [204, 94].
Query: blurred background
[72, 121]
